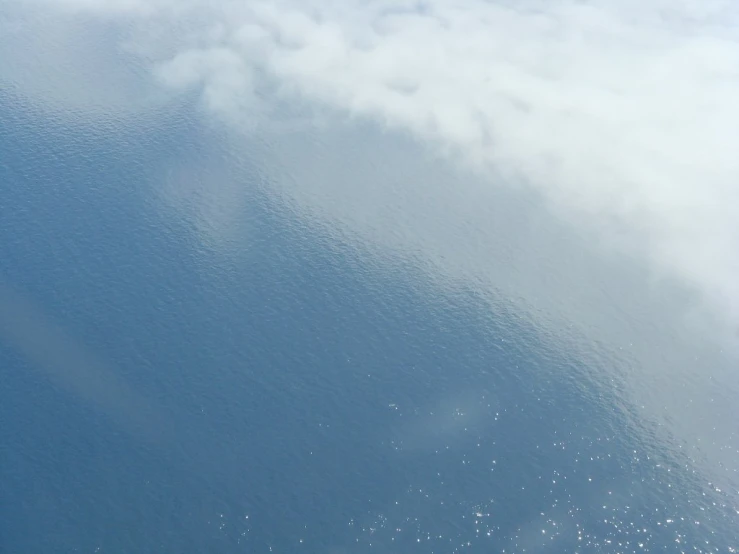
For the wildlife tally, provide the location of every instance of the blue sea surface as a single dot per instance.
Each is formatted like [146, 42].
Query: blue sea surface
[302, 394]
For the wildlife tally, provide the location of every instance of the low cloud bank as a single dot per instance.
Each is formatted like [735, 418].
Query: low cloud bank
[623, 114]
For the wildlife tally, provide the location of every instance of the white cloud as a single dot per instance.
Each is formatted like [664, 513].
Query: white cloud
[632, 122]
[622, 113]
[226, 80]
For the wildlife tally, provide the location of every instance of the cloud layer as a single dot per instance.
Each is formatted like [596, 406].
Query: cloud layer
[621, 113]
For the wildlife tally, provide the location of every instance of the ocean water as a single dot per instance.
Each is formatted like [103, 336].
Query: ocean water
[302, 393]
